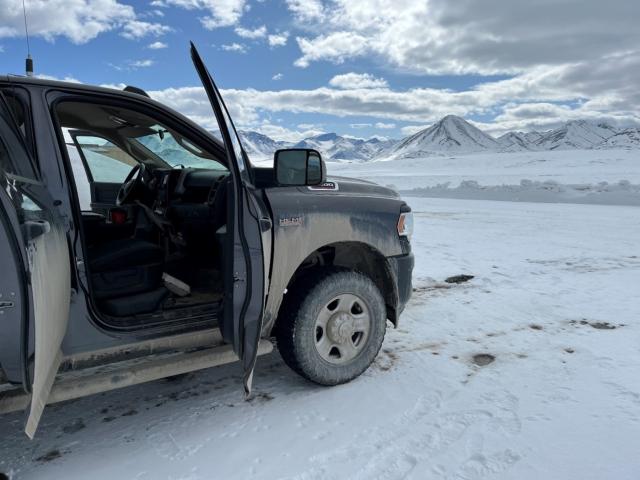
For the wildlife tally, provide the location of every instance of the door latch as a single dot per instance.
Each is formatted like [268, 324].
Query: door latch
[6, 304]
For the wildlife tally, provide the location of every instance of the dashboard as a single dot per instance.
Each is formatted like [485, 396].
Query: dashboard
[186, 186]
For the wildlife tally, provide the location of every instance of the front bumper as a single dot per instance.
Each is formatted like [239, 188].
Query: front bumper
[405, 273]
[403, 270]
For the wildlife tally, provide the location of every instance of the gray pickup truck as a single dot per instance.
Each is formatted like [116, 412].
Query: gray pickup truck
[136, 245]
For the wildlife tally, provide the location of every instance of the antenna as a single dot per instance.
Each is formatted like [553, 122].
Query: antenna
[29, 60]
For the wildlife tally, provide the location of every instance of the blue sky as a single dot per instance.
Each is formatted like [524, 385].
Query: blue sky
[357, 67]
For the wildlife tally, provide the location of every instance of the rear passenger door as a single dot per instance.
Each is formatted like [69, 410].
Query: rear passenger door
[36, 259]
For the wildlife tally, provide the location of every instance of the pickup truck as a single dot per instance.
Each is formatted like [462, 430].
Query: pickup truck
[136, 245]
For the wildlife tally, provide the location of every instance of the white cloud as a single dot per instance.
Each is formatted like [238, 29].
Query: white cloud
[306, 10]
[488, 37]
[234, 47]
[516, 102]
[79, 20]
[277, 76]
[157, 45]
[336, 47]
[259, 32]
[69, 79]
[309, 126]
[411, 129]
[1, 49]
[141, 63]
[358, 126]
[278, 39]
[135, 29]
[357, 80]
[221, 13]
[278, 132]
[385, 126]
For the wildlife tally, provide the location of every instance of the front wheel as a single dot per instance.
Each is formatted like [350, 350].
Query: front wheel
[332, 326]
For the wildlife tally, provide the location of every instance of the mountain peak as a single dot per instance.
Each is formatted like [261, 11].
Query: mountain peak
[576, 134]
[451, 134]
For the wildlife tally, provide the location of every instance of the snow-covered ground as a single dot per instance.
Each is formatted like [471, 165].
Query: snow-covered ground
[563, 167]
[555, 302]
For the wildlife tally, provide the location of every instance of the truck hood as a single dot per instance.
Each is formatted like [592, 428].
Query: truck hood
[362, 187]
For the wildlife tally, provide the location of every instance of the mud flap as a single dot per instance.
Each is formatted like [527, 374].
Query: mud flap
[49, 267]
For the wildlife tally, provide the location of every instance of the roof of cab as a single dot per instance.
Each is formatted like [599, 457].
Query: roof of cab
[45, 82]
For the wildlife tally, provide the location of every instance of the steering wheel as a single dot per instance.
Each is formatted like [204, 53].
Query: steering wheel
[129, 185]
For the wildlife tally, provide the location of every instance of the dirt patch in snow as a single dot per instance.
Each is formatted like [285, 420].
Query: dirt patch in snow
[596, 325]
[386, 360]
[49, 456]
[75, 426]
[483, 359]
[535, 326]
[459, 278]
[261, 398]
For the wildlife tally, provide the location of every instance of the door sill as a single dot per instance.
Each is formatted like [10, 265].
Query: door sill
[89, 381]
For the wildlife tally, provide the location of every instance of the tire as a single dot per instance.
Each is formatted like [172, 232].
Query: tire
[326, 342]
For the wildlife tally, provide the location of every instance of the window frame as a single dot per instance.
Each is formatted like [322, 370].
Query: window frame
[28, 171]
[83, 157]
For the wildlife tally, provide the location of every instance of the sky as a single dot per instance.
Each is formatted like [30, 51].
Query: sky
[386, 68]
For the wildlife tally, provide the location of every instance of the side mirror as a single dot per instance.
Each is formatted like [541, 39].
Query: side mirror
[299, 166]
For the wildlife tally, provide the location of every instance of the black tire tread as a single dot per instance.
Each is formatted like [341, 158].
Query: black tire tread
[295, 299]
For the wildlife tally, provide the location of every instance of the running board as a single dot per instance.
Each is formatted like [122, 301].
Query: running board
[81, 383]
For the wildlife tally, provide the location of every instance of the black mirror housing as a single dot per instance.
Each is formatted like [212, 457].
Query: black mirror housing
[299, 167]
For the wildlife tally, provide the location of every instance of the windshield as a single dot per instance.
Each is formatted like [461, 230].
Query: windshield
[177, 151]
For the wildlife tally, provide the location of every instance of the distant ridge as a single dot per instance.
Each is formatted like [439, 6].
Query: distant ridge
[452, 135]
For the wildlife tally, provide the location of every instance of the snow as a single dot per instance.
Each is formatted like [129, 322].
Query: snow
[554, 300]
[563, 167]
[424, 410]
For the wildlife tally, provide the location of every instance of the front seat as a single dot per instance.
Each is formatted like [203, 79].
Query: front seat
[126, 276]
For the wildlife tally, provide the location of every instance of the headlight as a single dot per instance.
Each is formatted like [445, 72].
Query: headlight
[405, 224]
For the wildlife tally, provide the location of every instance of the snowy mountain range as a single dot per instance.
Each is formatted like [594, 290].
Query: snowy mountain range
[452, 135]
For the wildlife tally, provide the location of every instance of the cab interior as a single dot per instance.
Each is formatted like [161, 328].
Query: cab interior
[154, 206]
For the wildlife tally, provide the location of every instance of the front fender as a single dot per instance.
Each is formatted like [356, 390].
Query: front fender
[306, 220]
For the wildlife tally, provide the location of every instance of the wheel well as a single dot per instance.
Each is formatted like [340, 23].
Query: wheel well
[354, 256]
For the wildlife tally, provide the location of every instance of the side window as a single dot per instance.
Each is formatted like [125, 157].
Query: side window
[106, 162]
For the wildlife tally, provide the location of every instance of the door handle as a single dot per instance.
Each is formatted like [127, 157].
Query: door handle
[265, 224]
[32, 229]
